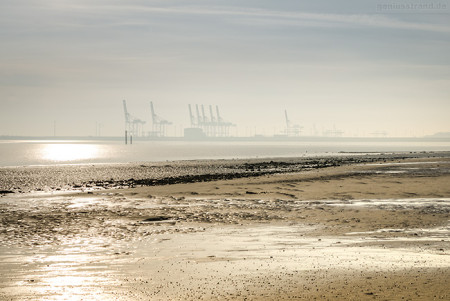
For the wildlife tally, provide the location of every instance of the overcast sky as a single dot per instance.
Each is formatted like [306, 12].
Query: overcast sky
[359, 66]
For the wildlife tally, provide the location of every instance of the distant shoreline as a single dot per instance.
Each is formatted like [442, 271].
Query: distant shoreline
[434, 138]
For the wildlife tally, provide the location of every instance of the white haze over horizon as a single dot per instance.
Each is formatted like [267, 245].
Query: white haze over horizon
[357, 66]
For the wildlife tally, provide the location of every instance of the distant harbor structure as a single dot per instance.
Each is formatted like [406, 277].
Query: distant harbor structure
[292, 130]
[133, 125]
[203, 126]
[206, 122]
[159, 125]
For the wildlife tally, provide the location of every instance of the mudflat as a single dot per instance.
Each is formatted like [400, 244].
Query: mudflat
[367, 230]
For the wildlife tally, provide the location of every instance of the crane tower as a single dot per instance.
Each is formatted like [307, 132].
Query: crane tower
[291, 129]
[133, 125]
[159, 125]
[212, 126]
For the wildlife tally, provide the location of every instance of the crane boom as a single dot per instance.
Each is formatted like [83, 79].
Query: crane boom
[199, 119]
[153, 112]
[203, 114]
[219, 119]
[191, 115]
[211, 114]
[287, 119]
[127, 115]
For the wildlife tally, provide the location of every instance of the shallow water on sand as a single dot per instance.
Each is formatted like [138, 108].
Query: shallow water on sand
[111, 270]
[45, 152]
[67, 247]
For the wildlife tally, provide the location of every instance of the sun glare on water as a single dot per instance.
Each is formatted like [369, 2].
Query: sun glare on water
[69, 152]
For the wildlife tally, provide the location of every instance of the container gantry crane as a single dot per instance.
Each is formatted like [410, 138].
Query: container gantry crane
[133, 125]
[159, 125]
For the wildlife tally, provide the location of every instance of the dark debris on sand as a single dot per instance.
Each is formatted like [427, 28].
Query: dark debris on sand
[96, 177]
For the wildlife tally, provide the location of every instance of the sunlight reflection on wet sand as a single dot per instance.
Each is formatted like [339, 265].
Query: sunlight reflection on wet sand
[69, 152]
[76, 272]
[78, 263]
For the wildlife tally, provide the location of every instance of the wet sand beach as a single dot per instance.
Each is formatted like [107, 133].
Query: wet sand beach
[351, 228]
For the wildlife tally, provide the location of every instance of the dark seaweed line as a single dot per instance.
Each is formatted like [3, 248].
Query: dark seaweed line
[198, 178]
[223, 172]
[226, 176]
[260, 169]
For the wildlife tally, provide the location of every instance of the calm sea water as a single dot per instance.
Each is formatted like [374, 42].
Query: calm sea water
[38, 152]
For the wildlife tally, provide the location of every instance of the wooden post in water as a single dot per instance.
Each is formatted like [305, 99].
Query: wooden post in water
[131, 139]
[126, 138]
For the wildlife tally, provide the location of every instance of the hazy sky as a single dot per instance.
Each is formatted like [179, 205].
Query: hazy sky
[359, 66]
